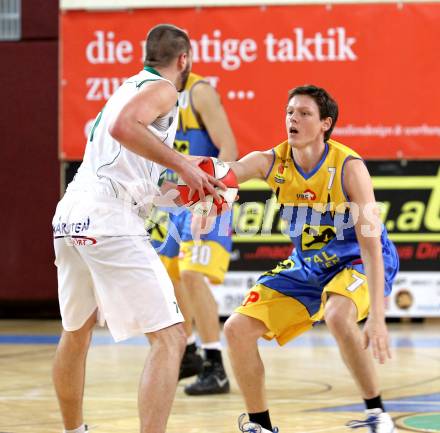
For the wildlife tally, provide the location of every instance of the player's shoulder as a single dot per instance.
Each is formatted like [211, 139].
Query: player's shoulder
[203, 96]
[161, 94]
[342, 150]
[148, 76]
[196, 82]
[281, 150]
[195, 78]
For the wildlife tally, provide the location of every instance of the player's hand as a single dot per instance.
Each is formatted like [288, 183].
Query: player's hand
[375, 334]
[196, 159]
[199, 181]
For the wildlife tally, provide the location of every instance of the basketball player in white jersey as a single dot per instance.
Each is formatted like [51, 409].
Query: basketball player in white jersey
[107, 269]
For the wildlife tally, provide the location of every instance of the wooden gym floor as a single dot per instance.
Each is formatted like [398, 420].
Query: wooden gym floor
[309, 389]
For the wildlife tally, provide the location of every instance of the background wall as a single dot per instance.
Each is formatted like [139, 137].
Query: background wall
[29, 167]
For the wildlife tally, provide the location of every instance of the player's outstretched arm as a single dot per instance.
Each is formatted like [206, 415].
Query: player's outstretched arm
[207, 103]
[359, 187]
[254, 165]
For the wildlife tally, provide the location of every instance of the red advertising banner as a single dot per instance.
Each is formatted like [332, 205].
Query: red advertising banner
[379, 61]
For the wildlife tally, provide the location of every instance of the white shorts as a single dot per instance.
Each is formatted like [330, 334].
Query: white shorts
[121, 276]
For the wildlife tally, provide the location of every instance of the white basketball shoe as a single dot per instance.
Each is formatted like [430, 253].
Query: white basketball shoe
[252, 427]
[377, 422]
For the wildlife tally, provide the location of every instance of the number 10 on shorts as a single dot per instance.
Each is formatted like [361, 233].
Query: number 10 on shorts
[201, 254]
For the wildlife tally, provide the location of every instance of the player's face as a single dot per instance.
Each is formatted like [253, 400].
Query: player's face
[303, 124]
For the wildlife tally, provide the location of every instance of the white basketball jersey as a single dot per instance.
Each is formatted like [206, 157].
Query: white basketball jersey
[110, 168]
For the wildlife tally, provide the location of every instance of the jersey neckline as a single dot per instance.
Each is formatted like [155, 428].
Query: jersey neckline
[151, 70]
[314, 169]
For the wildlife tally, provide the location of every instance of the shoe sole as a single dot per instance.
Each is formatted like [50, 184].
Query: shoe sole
[226, 390]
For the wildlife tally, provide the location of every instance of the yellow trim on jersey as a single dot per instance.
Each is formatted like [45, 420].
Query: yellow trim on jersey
[206, 257]
[322, 187]
[187, 117]
[286, 318]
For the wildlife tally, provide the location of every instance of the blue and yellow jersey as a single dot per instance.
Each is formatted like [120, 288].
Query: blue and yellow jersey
[192, 138]
[171, 234]
[316, 209]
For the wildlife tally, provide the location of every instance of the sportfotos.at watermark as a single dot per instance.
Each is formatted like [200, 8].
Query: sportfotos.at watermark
[293, 220]
[158, 209]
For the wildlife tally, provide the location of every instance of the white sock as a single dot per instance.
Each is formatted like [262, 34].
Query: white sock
[191, 339]
[215, 345]
[80, 429]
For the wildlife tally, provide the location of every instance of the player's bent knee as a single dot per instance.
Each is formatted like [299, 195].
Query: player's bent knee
[338, 322]
[231, 332]
[240, 328]
[340, 314]
[172, 338]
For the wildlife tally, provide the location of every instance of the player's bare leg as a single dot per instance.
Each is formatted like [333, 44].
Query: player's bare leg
[242, 333]
[204, 306]
[69, 372]
[213, 378]
[341, 319]
[185, 307]
[159, 378]
[192, 362]
[341, 316]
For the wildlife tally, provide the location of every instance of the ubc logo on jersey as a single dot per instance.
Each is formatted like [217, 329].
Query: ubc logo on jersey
[182, 146]
[308, 194]
[317, 237]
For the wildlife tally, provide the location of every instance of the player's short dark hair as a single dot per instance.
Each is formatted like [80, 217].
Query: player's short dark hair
[165, 43]
[328, 107]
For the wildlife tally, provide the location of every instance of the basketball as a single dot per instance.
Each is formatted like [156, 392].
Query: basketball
[221, 171]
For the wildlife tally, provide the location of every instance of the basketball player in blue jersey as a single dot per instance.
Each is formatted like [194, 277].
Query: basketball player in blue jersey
[342, 266]
[203, 130]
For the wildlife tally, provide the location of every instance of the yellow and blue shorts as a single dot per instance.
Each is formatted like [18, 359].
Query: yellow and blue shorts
[171, 236]
[290, 299]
